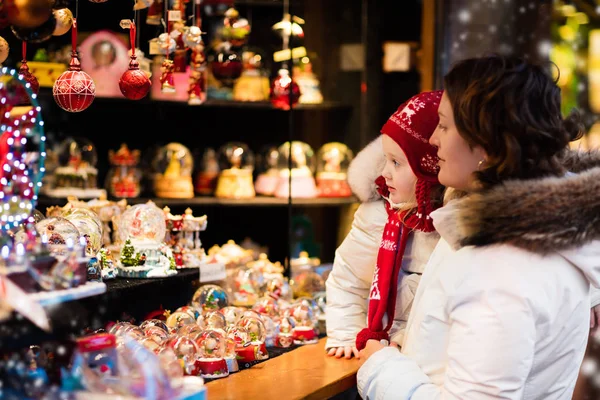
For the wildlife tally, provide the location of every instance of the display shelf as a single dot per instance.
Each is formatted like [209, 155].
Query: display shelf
[123, 299]
[46, 93]
[258, 201]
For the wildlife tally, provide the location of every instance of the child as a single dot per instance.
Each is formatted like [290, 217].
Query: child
[380, 261]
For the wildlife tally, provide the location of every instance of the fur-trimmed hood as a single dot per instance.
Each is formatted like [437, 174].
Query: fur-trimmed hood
[539, 215]
[364, 169]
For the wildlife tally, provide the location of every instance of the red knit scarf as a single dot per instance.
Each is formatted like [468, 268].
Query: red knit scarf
[382, 296]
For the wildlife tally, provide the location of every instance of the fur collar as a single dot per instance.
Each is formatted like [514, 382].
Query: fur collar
[364, 169]
[541, 216]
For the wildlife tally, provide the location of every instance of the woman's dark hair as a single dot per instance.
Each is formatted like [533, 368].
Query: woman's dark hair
[511, 109]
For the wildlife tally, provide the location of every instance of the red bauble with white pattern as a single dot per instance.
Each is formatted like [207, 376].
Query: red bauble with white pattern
[74, 90]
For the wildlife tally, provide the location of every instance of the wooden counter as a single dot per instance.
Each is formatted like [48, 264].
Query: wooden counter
[304, 373]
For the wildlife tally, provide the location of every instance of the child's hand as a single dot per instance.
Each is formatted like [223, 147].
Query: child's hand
[346, 351]
[371, 347]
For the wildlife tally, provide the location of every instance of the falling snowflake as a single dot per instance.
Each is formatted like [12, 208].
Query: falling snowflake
[544, 47]
[61, 350]
[588, 367]
[492, 28]
[464, 16]
[522, 10]
[581, 86]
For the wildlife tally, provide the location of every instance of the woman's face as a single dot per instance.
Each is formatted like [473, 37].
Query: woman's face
[458, 161]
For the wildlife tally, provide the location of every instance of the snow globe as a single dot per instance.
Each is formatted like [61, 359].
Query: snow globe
[57, 231]
[232, 314]
[266, 306]
[278, 288]
[215, 320]
[208, 172]
[155, 333]
[154, 322]
[212, 362]
[237, 164]
[333, 160]
[243, 286]
[179, 319]
[124, 177]
[142, 228]
[187, 352]
[285, 332]
[302, 167]
[210, 298]
[256, 349]
[76, 174]
[173, 166]
[268, 171]
[89, 226]
[304, 331]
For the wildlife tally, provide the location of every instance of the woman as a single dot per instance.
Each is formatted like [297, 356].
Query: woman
[502, 310]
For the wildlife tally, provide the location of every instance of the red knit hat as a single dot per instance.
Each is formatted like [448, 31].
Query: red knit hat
[411, 126]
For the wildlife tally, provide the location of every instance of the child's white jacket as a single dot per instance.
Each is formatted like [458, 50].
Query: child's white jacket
[503, 307]
[349, 282]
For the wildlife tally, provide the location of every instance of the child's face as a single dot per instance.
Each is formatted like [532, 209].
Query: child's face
[397, 172]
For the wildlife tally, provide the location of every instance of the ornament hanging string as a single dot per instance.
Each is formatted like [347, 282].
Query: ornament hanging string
[166, 24]
[24, 50]
[132, 36]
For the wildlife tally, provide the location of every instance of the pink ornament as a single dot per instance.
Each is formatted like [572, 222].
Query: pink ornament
[280, 90]
[134, 83]
[74, 90]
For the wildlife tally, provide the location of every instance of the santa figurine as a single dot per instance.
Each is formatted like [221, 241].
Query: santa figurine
[167, 80]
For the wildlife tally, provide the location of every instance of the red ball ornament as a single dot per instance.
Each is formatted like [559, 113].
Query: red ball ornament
[134, 83]
[280, 90]
[74, 90]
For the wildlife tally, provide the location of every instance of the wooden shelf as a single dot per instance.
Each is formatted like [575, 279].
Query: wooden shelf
[213, 201]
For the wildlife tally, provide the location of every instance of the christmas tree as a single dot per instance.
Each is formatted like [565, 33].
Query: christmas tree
[128, 259]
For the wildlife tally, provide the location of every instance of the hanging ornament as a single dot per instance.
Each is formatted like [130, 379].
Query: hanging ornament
[192, 36]
[64, 21]
[155, 12]
[74, 90]
[27, 75]
[59, 4]
[4, 49]
[141, 4]
[280, 90]
[38, 34]
[134, 83]
[197, 84]
[27, 13]
[167, 80]
[227, 65]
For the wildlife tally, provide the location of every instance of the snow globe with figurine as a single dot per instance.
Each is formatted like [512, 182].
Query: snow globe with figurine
[268, 171]
[237, 165]
[142, 231]
[187, 352]
[243, 286]
[210, 298]
[333, 160]
[76, 174]
[124, 177]
[301, 158]
[284, 328]
[256, 349]
[173, 166]
[304, 332]
[212, 344]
